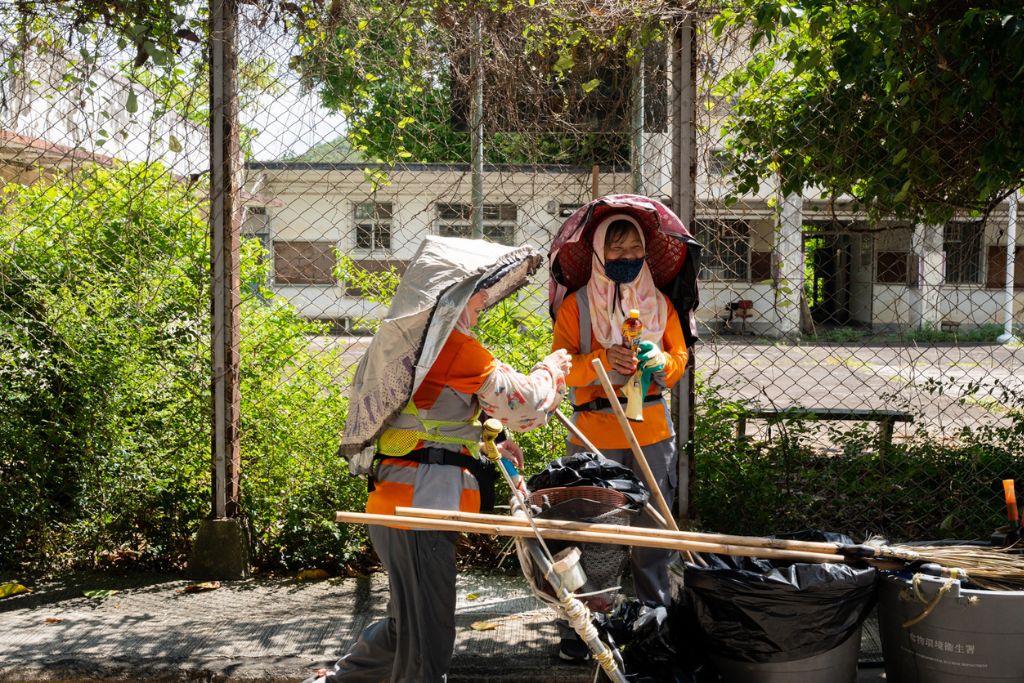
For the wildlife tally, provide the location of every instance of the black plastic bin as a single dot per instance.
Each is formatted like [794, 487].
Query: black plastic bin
[777, 622]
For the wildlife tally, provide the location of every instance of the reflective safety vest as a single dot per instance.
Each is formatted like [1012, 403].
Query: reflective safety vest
[415, 428]
[592, 413]
[443, 414]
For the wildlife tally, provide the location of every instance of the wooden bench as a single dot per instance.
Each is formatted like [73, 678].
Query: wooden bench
[886, 419]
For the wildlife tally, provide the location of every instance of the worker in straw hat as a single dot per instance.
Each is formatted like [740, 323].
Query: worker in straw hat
[611, 237]
[414, 426]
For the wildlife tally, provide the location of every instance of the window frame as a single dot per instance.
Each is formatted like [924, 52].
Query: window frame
[462, 218]
[973, 231]
[310, 282]
[374, 222]
[713, 268]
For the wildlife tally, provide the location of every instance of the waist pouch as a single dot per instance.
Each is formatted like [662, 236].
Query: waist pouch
[484, 471]
[604, 404]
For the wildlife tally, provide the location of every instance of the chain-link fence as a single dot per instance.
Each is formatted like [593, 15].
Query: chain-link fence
[847, 376]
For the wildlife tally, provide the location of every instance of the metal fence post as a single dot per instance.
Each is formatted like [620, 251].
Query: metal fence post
[684, 174]
[220, 549]
[476, 130]
[637, 124]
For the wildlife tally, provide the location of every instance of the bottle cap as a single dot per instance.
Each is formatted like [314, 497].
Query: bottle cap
[634, 313]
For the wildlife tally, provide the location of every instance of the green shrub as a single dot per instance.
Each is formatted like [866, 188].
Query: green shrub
[104, 361]
[924, 488]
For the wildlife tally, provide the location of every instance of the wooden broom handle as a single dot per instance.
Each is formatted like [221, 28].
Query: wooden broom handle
[634, 445]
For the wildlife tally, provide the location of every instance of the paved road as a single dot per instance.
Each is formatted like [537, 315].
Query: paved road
[896, 377]
[265, 630]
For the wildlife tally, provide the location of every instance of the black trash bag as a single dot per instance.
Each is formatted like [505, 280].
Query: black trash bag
[589, 469]
[648, 645]
[753, 610]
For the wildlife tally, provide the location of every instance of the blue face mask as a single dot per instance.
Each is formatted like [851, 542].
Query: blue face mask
[623, 270]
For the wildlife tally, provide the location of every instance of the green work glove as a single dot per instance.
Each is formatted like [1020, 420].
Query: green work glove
[652, 360]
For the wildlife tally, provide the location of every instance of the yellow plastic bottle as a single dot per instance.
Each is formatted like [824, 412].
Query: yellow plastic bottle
[632, 328]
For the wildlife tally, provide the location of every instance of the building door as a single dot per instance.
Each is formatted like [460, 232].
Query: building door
[862, 272]
[827, 279]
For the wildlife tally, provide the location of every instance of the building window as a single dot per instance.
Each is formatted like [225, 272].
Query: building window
[893, 268]
[962, 244]
[256, 225]
[373, 225]
[718, 162]
[455, 220]
[726, 253]
[996, 277]
[300, 262]
[760, 266]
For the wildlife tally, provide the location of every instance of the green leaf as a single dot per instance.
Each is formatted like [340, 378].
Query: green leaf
[133, 102]
[591, 84]
[564, 63]
[174, 144]
[100, 594]
[9, 589]
[901, 195]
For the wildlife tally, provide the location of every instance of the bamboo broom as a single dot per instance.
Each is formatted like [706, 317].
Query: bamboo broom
[997, 569]
[620, 530]
[634, 445]
[572, 535]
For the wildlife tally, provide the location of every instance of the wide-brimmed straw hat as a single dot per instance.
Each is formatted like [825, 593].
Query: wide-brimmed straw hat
[673, 255]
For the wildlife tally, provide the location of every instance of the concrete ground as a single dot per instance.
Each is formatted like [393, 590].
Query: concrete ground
[266, 629]
[905, 377]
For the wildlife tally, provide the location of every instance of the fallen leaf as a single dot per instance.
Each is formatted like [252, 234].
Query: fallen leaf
[100, 594]
[200, 587]
[473, 596]
[483, 626]
[312, 575]
[53, 620]
[9, 589]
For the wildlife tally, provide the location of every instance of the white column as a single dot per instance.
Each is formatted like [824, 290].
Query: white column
[789, 266]
[658, 164]
[1011, 245]
[929, 259]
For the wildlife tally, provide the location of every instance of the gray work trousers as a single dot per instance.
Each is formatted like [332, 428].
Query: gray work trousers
[415, 641]
[649, 565]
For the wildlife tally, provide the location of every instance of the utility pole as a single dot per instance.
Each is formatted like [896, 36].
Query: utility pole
[476, 127]
[221, 549]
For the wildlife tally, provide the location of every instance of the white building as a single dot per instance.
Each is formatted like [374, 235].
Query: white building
[863, 274]
[57, 112]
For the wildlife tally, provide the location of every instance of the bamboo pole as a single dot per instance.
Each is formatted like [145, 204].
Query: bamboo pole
[619, 529]
[634, 445]
[584, 537]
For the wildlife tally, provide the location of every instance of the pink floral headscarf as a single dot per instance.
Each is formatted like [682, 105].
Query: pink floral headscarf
[608, 311]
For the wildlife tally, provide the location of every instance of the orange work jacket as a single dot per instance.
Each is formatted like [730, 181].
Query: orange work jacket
[602, 427]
